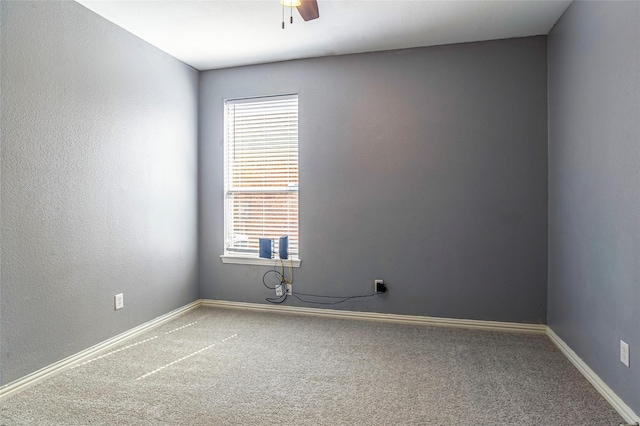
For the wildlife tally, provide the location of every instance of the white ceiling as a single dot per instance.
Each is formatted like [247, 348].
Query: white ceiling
[218, 34]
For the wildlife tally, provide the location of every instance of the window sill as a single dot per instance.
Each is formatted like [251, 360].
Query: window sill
[259, 261]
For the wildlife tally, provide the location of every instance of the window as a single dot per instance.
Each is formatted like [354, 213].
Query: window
[260, 174]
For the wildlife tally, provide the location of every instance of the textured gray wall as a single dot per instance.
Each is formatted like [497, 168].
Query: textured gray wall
[594, 181]
[99, 182]
[424, 167]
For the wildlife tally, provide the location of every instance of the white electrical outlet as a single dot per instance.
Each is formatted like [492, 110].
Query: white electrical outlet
[375, 285]
[289, 289]
[624, 352]
[118, 300]
[279, 290]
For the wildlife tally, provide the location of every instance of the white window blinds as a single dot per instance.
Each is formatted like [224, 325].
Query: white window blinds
[261, 173]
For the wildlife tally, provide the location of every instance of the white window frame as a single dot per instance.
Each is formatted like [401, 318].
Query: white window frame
[234, 254]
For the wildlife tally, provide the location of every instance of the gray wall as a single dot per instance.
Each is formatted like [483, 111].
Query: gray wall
[99, 182]
[425, 167]
[594, 181]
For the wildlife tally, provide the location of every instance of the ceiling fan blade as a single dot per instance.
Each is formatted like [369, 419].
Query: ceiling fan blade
[308, 9]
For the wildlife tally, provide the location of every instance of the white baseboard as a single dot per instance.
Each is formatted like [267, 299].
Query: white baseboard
[623, 409]
[393, 318]
[58, 367]
[618, 404]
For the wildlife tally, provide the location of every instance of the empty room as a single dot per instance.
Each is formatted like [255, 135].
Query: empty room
[320, 212]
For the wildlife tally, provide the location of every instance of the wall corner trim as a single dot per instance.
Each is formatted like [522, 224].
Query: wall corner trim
[60, 366]
[618, 404]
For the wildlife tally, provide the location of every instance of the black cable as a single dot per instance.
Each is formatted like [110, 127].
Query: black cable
[280, 279]
[344, 299]
[336, 297]
[281, 283]
[277, 300]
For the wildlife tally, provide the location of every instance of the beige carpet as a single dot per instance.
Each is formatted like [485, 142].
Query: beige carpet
[228, 367]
